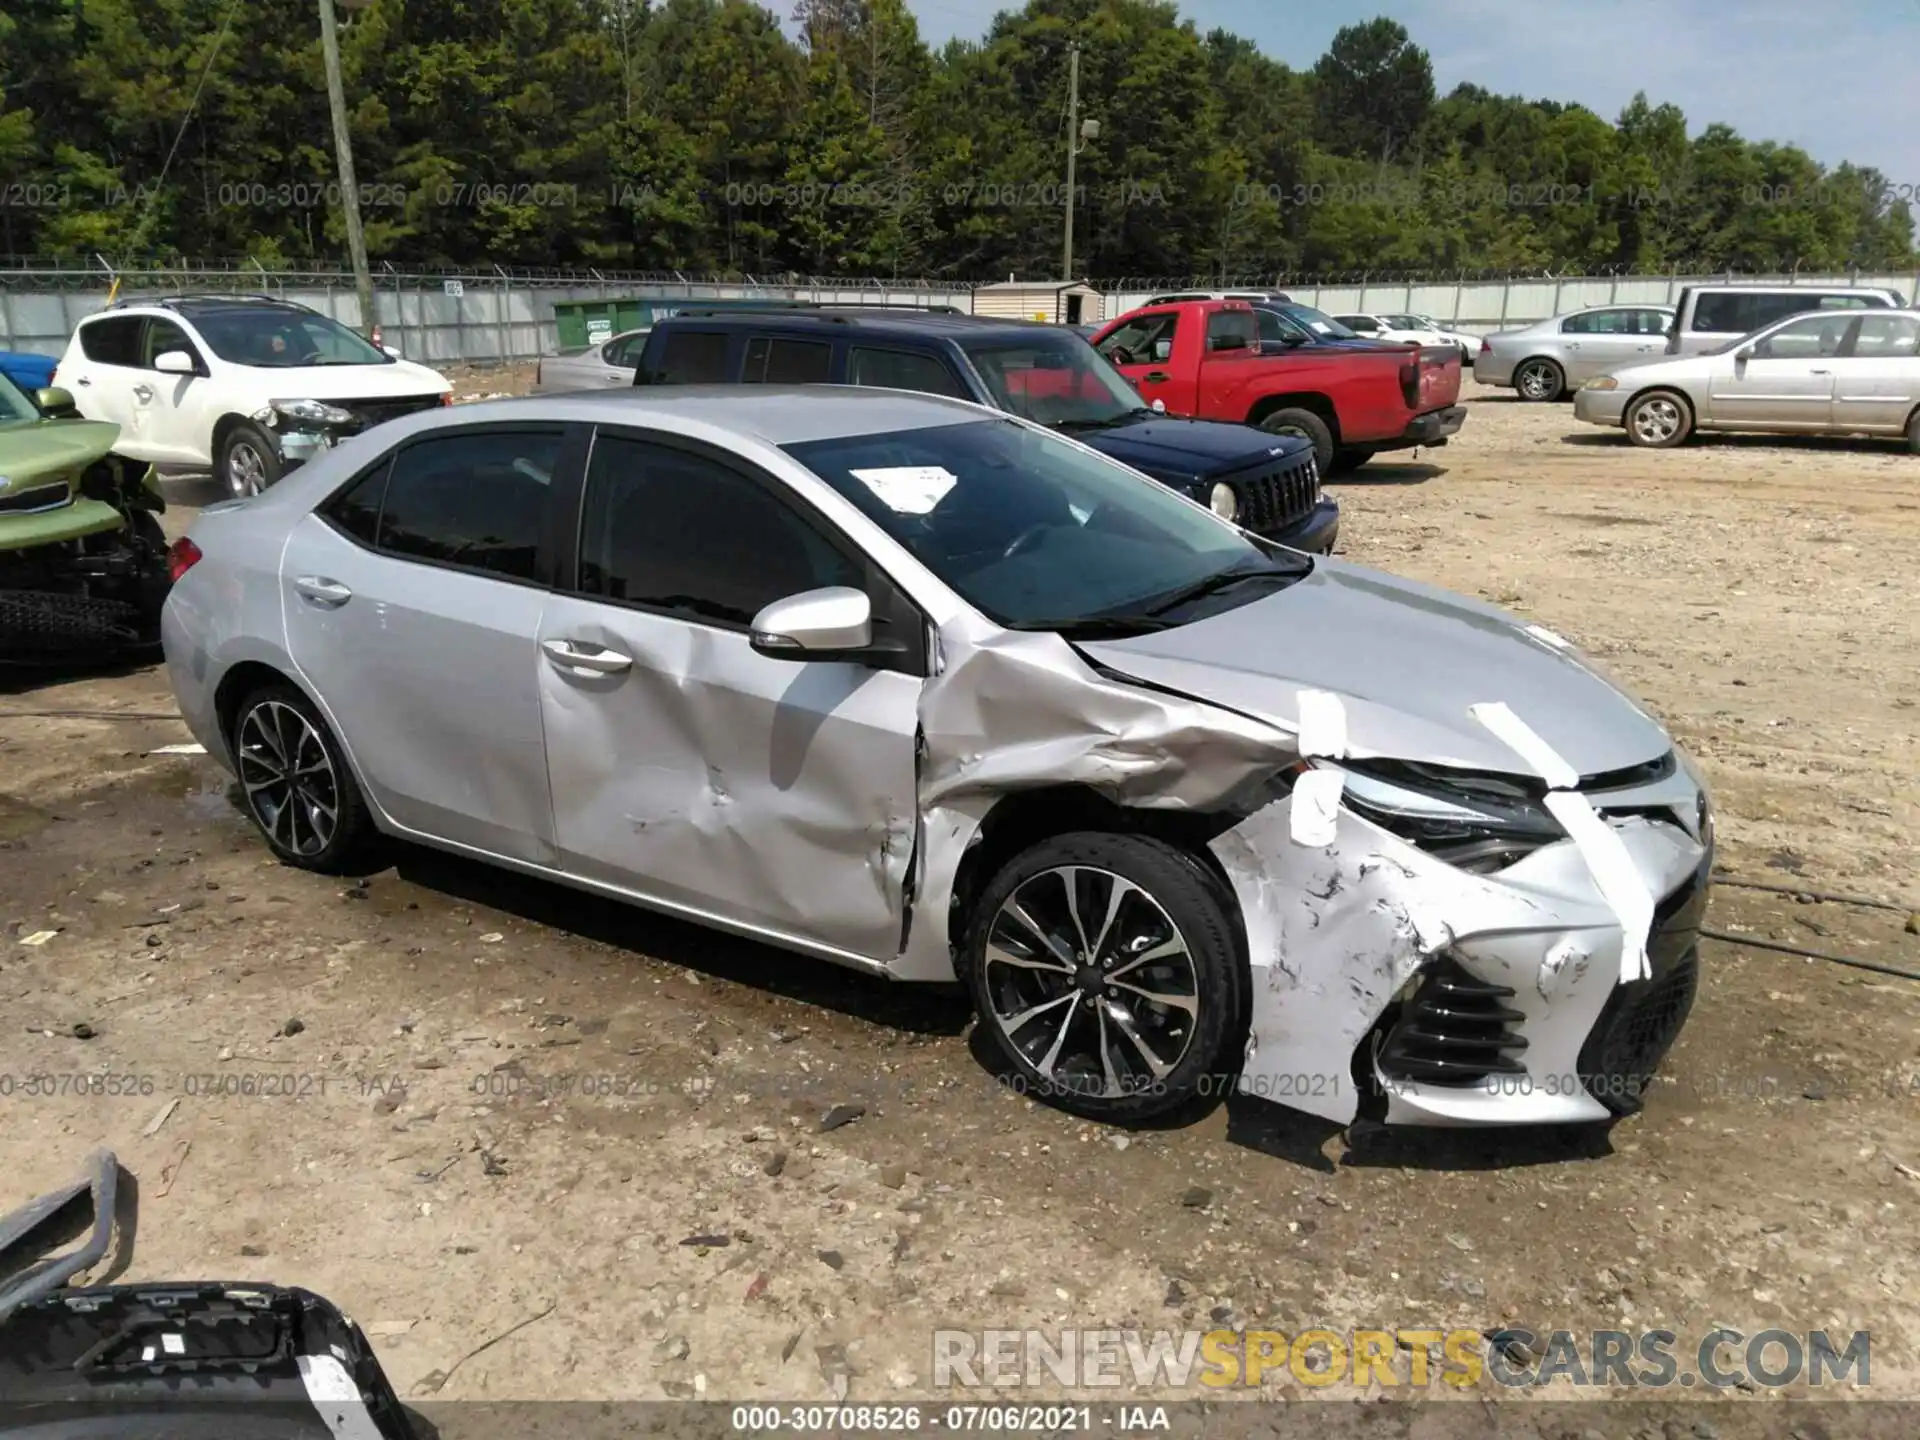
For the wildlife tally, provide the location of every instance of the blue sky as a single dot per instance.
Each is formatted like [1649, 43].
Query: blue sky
[1836, 77]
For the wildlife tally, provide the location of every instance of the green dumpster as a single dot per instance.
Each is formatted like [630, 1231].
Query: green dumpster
[594, 322]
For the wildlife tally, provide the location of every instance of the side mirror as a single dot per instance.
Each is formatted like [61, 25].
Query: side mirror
[174, 362]
[1745, 352]
[824, 624]
[1163, 349]
[54, 401]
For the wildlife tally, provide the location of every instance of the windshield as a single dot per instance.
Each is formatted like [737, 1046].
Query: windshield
[1053, 379]
[1319, 322]
[1032, 530]
[283, 339]
[15, 407]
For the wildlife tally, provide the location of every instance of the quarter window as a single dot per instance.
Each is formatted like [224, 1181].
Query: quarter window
[672, 530]
[112, 342]
[476, 500]
[903, 370]
[1232, 330]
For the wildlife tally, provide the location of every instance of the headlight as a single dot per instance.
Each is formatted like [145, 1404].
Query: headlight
[310, 412]
[1601, 382]
[1225, 503]
[1477, 822]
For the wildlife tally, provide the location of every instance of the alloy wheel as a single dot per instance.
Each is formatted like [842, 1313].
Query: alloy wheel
[1656, 420]
[1538, 381]
[288, 778]
[246, 469]
[1091, 981]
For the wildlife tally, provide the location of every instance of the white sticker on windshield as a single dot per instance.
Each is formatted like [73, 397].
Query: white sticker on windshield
[909, 489]
[1321, 327]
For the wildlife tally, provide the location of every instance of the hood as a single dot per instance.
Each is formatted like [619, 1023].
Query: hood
[1408, 660]
[1169, 448]
[47, 450]
[352, 382]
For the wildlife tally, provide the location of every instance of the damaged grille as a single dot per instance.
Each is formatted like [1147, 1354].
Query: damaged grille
[1642, 1019]
[378, 412]
[40, 497]
[1280, 497]
[1456, 1030]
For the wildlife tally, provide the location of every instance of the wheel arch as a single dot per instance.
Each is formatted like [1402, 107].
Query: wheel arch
[222, 428]
[1315, 401]
[1659, 388]
[244, 677]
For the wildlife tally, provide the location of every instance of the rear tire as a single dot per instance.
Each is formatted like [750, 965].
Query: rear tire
[1055, 958]
[249, 461]
[298, 788]
[1658, 420]
[1308, 426]
[1539, 380]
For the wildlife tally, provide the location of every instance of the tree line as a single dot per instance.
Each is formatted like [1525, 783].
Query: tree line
[709, 136]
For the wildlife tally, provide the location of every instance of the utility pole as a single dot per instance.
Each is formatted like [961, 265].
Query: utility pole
[1073, 148]
[343, 149]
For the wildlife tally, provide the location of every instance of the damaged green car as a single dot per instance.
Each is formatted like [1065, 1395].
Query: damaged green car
[83, 561]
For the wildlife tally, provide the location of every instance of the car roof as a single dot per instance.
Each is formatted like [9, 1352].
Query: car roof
[212, 304]
[892, 324]
[775, 414]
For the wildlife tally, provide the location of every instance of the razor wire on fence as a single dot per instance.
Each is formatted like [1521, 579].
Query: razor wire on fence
[492, 314]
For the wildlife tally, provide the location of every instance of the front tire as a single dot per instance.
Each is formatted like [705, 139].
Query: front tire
[1659, 420]
[1107, 972]
[249, 461]
[1913, 433]
[1308, 426]
[1540, 381]
[298, 788]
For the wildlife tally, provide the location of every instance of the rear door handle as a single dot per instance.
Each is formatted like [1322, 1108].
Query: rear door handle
[1819, 372]
[82, 380]
[572, 655]
[322, 591]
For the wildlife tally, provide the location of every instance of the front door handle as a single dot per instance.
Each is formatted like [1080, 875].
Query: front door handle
[1819, 372]
[82, 380]
[572, 655]
[1158, 377]
[143, 392]
[322, 591]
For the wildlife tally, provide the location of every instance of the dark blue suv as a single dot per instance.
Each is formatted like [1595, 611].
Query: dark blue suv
[1266, 483]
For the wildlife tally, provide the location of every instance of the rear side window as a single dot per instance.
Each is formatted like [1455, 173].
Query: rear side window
[112, 342]
[903, 370]
[1231, 330]
[1888, 335]
[1739, 312]
[693, 357]
[477, 501]
[356, 510]
[775, 361]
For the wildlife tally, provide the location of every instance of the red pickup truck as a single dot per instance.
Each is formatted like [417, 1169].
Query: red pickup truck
[1202, 358]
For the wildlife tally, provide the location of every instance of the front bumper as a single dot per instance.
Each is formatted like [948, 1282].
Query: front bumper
[1314, 532]
[297, 447]
[1432, 428]
[1389, 983]
[1600, 407]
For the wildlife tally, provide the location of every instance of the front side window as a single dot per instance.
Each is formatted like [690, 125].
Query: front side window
[903, 370]
[476, 500]
[1032, 530]
[112, 342]
[1143, 340]
[162, 337]
[672, 530]
[1054, 379]
[270, 338]
[1807, 339]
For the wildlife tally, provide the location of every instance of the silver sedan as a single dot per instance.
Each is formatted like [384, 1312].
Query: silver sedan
[1557, 356]
[910, 685]
[1837, 372]
[612, 362]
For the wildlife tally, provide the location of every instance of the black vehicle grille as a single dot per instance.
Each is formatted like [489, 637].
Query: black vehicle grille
[40, 497]
[1642, 1019]
[41, 626]
[387, 407]
[1279, 497]
[1455, 1031]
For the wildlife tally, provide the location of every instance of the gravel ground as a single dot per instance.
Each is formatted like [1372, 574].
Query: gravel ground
[452, 1100]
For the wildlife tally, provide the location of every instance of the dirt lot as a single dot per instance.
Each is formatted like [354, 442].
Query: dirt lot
[502, 1100]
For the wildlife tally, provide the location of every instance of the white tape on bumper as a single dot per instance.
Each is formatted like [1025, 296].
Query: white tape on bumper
[1605, 854]
[1323, 724]
[1314, 819]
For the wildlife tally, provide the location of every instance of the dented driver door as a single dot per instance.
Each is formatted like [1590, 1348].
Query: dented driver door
[774, 796]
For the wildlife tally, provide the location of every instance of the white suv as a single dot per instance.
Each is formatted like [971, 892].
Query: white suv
[243, 385]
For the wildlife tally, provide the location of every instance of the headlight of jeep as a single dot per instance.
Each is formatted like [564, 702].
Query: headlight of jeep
[1601, 382]
[1477, 822]
[1225, 503]
[304, 412]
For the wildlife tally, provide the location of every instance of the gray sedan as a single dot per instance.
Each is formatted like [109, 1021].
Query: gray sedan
[612, 362]
[920, 688]
[1836, 372]
[1554, 357]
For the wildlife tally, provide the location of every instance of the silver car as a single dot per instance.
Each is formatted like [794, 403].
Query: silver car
[609, 363]
[1550, 359]
[924, 689]
[1835, 372]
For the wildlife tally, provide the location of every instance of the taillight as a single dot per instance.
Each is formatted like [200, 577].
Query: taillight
[182, 556]
[1410, 379]
[1486, 347]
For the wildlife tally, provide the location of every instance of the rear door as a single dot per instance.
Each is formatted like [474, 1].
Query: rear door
[102, 383]
[1600, 341]
[1876, 380]
[413, 601]
[691, 770]
[1786, 383]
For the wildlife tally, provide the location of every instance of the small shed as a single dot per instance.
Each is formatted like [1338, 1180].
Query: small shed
[1059, 302]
